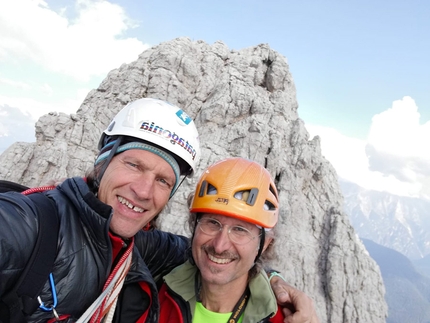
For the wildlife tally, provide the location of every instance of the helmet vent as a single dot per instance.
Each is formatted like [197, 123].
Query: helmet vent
[211, 190]
[202, 188]
[208, 189]
[273, 190]
[249, 196]
[268, 206]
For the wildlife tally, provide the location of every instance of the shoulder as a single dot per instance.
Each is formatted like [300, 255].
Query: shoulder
[18, 230]
[262, 302]
[73, 185]
[75, 193]
[16, 206]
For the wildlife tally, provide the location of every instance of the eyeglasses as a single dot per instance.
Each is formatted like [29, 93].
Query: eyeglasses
[238, 234]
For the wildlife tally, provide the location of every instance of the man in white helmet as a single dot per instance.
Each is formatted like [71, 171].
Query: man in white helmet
[105, 262]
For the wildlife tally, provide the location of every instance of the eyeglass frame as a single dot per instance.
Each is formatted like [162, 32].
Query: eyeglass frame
[221, 226]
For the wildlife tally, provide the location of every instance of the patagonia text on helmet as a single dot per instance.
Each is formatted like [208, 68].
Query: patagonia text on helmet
[167, 134]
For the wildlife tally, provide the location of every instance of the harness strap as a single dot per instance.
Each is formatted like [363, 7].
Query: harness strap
[104, 305]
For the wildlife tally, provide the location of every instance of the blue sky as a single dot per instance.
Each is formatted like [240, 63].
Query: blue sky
[361, 68]
[349, 59]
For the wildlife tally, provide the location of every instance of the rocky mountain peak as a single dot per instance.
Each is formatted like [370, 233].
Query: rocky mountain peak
[244, 104]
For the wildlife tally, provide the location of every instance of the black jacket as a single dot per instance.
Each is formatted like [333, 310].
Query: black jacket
[84, 256]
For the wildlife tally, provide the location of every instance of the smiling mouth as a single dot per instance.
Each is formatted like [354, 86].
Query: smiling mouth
[123, 201]
[219, 260]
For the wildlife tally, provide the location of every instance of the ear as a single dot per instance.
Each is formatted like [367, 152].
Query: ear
[267, 242]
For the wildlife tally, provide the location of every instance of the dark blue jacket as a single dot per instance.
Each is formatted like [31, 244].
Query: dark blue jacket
[84, 257]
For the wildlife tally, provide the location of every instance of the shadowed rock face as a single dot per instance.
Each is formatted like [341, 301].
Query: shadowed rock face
[244, 104]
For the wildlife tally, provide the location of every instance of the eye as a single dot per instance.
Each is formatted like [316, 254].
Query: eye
[131, 164]
[240, 230]
[165, 182]
[213, 223]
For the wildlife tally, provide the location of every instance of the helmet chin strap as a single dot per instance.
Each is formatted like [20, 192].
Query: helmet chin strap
[190, 255]
[260, 248]
[173, 192]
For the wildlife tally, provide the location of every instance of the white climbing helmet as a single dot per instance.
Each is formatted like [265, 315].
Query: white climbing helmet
[160, 123]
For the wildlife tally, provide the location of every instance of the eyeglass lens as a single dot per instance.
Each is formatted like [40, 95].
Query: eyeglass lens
[237, 234]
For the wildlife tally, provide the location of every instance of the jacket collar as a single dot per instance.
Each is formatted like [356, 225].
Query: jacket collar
[261, 304]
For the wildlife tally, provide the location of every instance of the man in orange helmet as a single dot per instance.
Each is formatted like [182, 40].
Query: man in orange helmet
[233, 215]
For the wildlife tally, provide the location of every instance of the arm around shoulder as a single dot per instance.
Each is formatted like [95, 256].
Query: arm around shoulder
[162, 251]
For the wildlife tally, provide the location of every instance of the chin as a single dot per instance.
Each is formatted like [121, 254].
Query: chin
[121, 232]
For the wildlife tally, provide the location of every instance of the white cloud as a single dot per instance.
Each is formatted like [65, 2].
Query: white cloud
[19, 127]
[61, 54]
[343, 152]
[36, 108]
[395, 157]
[397, 131]
[91, 44]
[398, 144]
[45, 88]
[15, 84]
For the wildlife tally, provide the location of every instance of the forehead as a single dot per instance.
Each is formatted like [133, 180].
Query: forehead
[147, 159]
[229, 220]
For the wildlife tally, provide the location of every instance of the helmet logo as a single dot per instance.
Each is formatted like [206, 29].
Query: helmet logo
[167, 134]
[184, 117]
[222, 200]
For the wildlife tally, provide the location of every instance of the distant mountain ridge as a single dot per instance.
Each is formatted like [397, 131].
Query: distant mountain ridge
[400, 223]
[407, 290]
[423, 265]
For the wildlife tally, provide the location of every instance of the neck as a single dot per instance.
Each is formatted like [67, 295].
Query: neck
[222, 298]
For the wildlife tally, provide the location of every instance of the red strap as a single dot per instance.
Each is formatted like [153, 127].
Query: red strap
[117, 245]
[38, 189]
[146, 288]
[121, 268]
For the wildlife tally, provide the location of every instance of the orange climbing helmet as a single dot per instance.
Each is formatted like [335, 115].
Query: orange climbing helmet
[239, 188]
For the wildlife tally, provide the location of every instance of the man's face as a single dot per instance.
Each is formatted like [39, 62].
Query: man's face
[137, 184]
[221, 261]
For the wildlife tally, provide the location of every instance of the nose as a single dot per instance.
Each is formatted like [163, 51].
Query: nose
[143, 186]
[221, 241]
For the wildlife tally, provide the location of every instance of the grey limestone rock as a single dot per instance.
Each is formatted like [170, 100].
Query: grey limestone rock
[244, 104]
